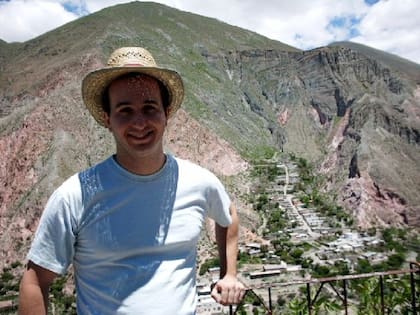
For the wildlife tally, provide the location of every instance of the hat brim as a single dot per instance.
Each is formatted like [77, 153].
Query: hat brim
[95, 83]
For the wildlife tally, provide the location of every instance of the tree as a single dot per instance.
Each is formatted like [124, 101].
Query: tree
[321, 270]
[326, 305]
[363, 266]
[368, 292]
[396, 260]
[397, 296]
[297, 306]
[209, 263]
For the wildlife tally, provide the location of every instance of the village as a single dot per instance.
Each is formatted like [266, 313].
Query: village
[331, 245]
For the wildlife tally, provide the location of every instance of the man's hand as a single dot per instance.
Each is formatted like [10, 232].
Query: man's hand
[228, 290]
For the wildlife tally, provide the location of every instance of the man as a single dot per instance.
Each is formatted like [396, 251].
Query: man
[130, 224]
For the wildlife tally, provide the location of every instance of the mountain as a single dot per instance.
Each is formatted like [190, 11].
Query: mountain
[403, 66]
[353, 114]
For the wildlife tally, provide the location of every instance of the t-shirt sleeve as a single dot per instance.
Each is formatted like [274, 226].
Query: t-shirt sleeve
[219, 202]
[53, 244]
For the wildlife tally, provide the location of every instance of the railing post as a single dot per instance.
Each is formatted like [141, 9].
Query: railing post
[345, 296]
[413, 290]
[381, 282]
[308, 296]
[270, 305]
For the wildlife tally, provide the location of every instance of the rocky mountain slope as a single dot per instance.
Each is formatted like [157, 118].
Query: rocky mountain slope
[356, 117]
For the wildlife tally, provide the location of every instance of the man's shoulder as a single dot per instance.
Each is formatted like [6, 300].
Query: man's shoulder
[192, 171]
[184, 164]
[70, 186]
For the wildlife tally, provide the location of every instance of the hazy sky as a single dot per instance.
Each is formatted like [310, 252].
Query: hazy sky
[389, 25]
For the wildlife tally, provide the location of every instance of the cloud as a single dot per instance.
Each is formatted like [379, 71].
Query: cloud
[312, 24]
[77, 7]
[300, 23]
[371, 2]
[96, 5]
[393, 26]
[22, 20]
[389, 25]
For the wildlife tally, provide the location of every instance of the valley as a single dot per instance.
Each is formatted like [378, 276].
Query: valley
[318, 149]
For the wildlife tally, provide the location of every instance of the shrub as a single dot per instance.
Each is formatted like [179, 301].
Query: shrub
[209, 263]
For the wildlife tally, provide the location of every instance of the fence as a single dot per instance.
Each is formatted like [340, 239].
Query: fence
[342, 295]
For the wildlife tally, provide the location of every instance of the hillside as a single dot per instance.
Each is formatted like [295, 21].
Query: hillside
[352, 115]
[403, 66]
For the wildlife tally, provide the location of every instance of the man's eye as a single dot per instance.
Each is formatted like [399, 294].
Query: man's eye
[150, 108]
[126, 110]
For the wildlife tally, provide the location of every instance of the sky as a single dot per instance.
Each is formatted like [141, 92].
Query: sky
[389, 25]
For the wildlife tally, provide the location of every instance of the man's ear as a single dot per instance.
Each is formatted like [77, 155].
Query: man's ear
[166, 115]
[107, 123]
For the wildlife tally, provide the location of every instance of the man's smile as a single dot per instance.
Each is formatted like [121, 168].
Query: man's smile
[141, 136]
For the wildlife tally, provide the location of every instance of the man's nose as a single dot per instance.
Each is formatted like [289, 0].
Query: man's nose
[139, 118]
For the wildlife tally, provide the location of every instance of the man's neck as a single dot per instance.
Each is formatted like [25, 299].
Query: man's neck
[144, 165]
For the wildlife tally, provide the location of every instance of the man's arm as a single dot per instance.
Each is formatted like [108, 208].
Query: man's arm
[34, 287]
[228, 290]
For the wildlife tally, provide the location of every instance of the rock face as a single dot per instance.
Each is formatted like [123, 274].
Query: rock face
[355, 117]
[351, 115]
[185, 137]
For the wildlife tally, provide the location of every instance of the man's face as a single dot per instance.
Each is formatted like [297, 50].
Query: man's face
[137, 118]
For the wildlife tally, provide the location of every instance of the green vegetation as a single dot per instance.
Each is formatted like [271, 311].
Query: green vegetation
[297, 305]
[310, 195]
[339, 268]
[63, 303]
[245, 258]
[9, 283]
[364, 297]
[260, 154]
[266, 171]
[394, 239]
[396, 294]
[292, 254]
[209, 263]
[256, 303]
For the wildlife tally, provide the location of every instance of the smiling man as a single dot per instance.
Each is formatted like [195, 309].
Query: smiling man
[137, 119]
[129, 225]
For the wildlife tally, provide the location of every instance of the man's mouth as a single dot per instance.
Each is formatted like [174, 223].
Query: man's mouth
[141, 136]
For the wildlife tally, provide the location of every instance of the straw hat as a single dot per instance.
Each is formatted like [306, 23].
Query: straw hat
[122, 61]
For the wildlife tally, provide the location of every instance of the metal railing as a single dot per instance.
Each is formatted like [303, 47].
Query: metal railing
[342, 294]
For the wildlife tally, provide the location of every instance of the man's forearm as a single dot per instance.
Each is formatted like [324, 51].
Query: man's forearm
[227, 242]
[228, 290]
[34, 290]
[32, 299]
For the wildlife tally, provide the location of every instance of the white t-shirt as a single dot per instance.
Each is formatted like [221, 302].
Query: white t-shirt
[131, 239]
